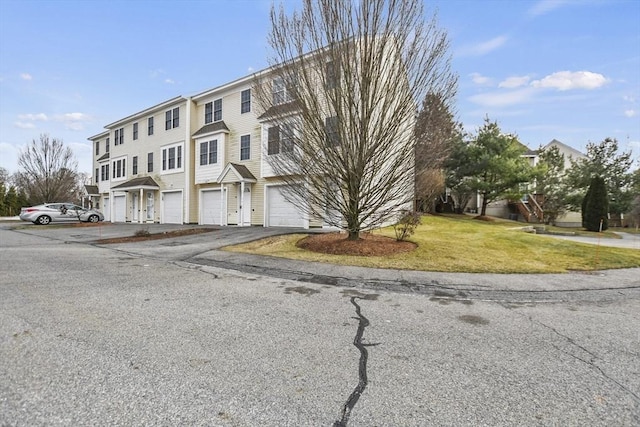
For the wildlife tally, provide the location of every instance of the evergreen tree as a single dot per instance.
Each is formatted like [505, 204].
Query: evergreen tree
[596, 206]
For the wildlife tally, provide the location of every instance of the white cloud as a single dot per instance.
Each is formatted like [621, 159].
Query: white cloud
[629, 98]
[169, 81]
[567, 80]
[514, 82]
[545, 6]
[502, 99]
[24, 125]
[34, 117]
[73, 121]
[483, 48]
[26, 76]
[479, 79]
[630, 113]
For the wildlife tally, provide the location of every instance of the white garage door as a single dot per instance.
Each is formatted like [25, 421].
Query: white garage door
[280, 212]
[119, 208]
[172, 207]
[211, 207]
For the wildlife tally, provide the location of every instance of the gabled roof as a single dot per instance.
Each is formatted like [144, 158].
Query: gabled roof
[212, 128]
[236, 173]
[144, 182]
[564, 148]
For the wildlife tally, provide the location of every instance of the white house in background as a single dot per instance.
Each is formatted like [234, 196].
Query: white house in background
[503, 209]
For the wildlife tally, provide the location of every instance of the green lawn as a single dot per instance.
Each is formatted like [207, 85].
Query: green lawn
[459, 243]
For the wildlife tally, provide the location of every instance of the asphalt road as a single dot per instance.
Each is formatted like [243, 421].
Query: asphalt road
[164, 333]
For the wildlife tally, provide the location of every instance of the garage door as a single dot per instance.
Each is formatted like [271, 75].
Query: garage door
[211, 207]
[280, 212]
[119, 208]
[172, 207]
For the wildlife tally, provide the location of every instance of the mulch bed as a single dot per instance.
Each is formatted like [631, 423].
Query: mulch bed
[368, 245]
[156, 236]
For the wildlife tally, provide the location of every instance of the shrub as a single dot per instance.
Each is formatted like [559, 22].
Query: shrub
[406, 225]
[142, 232]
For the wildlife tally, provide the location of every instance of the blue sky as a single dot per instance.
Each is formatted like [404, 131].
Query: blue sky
[563, 69]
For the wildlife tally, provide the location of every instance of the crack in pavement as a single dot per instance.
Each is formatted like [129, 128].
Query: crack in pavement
[363, 322]
[591, 359]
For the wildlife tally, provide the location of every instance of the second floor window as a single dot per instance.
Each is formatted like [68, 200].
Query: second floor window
[209, 152]
[135, 131]
[104, 172]
[172, 119]
[245, 101]
[119, 168]
[97, 175]
[245, 147]
[150, 126]
[149, 162]
[134, 165]
[279, 139]
[172, 158]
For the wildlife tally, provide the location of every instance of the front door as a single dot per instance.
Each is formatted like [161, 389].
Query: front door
[150, 206]
[244, 204]
[135, 206]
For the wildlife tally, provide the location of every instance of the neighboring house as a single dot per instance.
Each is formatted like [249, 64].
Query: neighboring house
[528, 209]
[199, 159]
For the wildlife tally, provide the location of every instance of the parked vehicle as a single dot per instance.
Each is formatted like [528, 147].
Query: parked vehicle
[59, 212]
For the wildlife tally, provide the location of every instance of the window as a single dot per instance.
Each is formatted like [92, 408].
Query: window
[209, 152]
[217, 110]
[104, 172]
[97, 175]
[245, 147]
[172, 158]
[279, 139]
[245, 101]
[119, 137]
[97, 147]
[134, 166]
[208, 112]
[149, 162]
[332, 131]
[119, 168]
[172, 119]
[280, 91]
[150, 126]
[106, 146]
[135, 131]
[332, 75]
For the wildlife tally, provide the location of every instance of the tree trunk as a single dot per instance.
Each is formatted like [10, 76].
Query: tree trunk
[353, 235]
[483, 211]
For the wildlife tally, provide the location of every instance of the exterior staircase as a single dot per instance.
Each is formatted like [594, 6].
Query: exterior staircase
[530, 209]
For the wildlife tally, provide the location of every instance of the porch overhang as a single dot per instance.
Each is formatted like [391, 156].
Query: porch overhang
[234, 173]
[143, 183]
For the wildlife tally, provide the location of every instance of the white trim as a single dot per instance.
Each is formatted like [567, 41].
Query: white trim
[162, 206]
[265, 213]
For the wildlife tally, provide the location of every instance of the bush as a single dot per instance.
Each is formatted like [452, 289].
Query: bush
[596, 206]
[406, 225]
[142, 232]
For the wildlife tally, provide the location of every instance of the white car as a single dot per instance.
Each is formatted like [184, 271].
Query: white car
[59, 212]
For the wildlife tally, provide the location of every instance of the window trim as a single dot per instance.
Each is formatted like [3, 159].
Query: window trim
[134, 165]
[177, 160]
[135, 131]
[217, 110]
[150, 126]
[150, 162]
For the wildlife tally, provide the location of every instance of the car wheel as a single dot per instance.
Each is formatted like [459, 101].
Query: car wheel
[43, 220]
[94, 218]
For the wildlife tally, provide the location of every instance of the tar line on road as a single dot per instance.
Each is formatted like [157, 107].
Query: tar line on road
[362, 367]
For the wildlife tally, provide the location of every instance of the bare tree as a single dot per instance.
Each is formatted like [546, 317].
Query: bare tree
[340, 101]
[47, 171]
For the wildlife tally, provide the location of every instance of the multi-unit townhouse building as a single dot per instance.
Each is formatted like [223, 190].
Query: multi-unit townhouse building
[198, 159]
